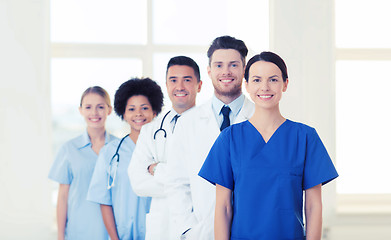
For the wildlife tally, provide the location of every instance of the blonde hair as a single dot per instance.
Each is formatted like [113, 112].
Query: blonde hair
[97, 90]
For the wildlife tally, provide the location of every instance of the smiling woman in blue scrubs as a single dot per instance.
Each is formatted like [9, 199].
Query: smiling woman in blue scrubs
[73, 167]
[137, 102]
[262, 166]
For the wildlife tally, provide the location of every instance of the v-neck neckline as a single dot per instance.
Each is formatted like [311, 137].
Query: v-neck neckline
[274, 133]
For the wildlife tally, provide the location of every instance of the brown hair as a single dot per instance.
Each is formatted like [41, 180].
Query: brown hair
[267, 57]
[97, 90]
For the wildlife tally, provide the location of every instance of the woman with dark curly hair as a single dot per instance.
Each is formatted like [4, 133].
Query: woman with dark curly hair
[137, 101]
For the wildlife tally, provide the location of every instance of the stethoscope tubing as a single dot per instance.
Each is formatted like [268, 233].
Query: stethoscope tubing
[120, 143]
[161, 127]
[117, 162]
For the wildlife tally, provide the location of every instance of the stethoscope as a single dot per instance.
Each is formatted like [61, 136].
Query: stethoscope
[161, 127]
[115, 164]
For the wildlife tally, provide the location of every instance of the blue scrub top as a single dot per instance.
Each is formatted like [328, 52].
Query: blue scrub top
[74, 165]
[129, 209]
[268, 179]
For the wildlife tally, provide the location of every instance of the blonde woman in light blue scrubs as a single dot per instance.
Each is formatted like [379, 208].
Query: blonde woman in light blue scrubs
[78, 218]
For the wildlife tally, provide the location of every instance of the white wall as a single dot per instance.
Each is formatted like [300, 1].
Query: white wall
[25, 138]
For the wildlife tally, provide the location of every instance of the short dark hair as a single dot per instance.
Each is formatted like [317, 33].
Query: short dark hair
[228, 42]
[138, 86]
[267, 57]
[185, 61]
[97, 90]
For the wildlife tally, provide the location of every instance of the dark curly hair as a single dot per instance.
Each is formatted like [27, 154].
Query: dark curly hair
[138, 86]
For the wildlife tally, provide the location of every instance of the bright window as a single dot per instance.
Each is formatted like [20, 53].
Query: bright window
[178, 22]
[99, 21]
[363, 24]
[363, 129]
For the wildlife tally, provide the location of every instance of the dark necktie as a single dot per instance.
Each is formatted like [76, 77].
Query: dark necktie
[175, 119]
[225, 111]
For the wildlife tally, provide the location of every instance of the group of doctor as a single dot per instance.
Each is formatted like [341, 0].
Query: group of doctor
[228, 169]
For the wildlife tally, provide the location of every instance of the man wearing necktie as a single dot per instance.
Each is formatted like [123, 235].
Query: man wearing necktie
[191, 198]
[147, 168]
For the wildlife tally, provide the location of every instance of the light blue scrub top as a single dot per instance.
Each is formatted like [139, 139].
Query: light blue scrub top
[129, 209]
[268, 179]
[74, 165]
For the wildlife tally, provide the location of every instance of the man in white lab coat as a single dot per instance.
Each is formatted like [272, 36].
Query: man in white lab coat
[192, 199]
[147, 168]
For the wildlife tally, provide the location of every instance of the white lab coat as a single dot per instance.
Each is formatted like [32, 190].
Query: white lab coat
[191, 198]
[148, 151]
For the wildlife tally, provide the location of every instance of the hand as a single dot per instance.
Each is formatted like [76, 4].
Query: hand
[151, 168]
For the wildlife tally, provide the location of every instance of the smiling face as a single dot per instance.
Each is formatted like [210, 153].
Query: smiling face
[138, 112]
[226, 71]
[95, 110]
[182, 87]
[265, 84]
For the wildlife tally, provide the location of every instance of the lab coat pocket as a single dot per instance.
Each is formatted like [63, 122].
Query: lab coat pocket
[157, 227]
